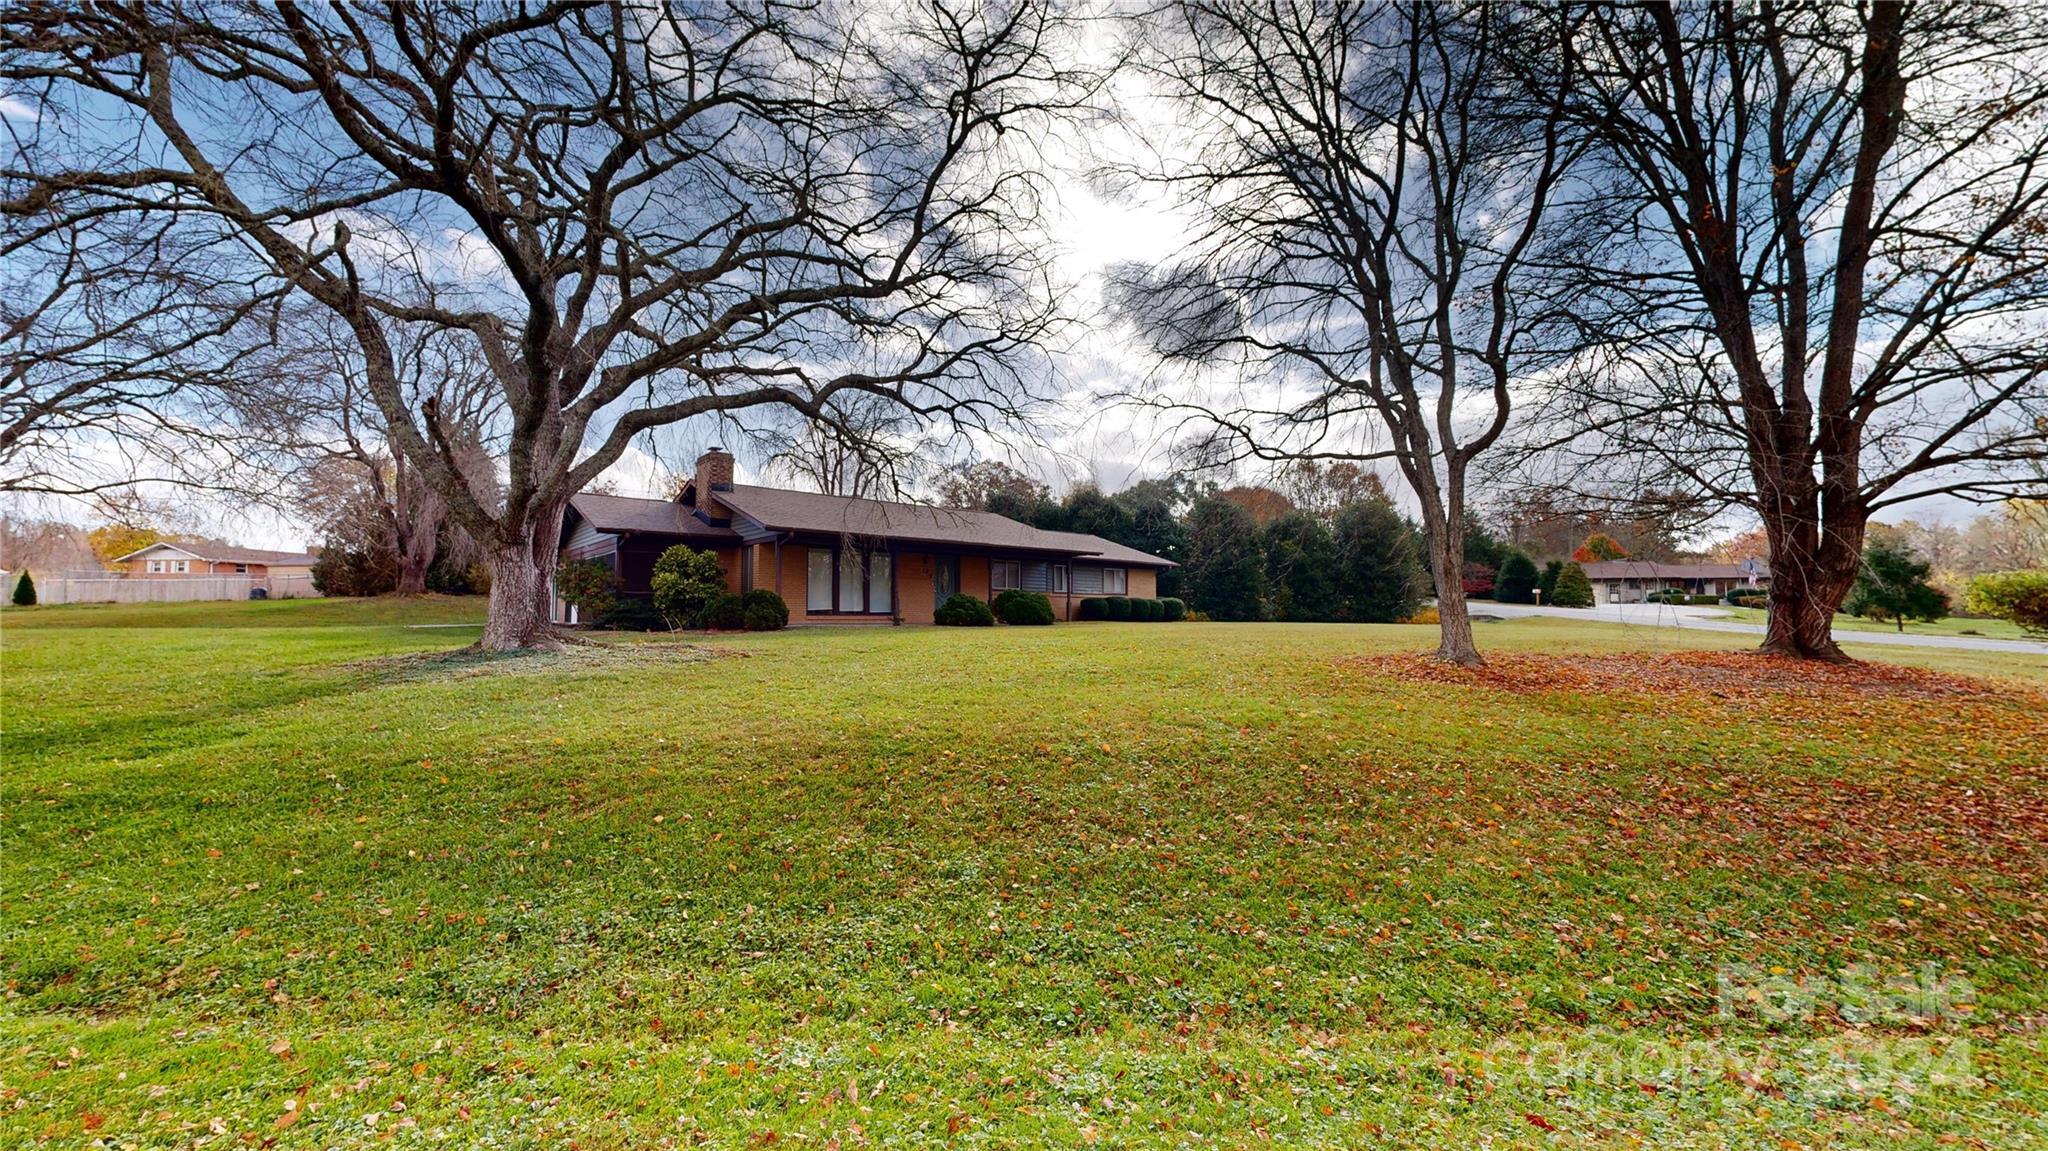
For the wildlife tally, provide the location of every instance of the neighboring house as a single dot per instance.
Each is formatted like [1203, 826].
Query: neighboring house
[841, 559]
[169, 560]
[1628, 581]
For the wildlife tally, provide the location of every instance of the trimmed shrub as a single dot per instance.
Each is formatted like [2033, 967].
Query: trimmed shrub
[963, 610]
[1705, 600]
[1736, 595]
[2019, 596]
[1573, 588]
[629, 613]
[1173, 610]
[25, 591]
[763, 610]
[591, 585]
[1154, 610]
[1757, 601]
[685, 582]
[1024, 608]
[1091, 609]
[1117, 607]
[724, 613]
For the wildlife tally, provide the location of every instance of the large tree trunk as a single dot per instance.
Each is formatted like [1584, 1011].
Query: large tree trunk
[1454, 618]
[1444, 535]
[522, 586]
[414, 558]
[1811, 574]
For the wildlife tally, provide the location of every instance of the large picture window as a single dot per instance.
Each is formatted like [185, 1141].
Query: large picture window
[820, 597]
[849, 581]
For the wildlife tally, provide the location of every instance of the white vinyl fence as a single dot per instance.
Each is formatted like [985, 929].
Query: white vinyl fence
[113, 587]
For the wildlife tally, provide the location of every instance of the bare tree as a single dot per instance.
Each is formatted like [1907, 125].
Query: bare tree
[1375, 192]
[1830, 244]
[314, 404]
[638, 215]
[861, 446]
[108, 330]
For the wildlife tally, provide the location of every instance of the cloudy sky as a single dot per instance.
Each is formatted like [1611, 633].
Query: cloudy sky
[1082, 438]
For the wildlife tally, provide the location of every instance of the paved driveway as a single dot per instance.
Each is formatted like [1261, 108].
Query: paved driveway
[1712, 619]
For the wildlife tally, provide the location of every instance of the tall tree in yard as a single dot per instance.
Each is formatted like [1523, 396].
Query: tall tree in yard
[1224, 574]
[635, 216]
[1892, 585]
[1829, 229]
[1376, 195]
[1380, 575]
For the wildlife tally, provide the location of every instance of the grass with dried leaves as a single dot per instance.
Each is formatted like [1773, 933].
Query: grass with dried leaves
[278, 874]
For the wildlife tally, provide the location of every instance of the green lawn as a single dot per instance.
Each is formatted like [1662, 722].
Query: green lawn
[1952, 625]
[271, 873]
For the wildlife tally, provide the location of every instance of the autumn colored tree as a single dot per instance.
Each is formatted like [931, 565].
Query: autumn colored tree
[1599, 547]
[1263, 504]
[112, 541]
[2019, 596]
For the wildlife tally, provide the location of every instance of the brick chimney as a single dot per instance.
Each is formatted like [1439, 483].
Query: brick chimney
[714, 473]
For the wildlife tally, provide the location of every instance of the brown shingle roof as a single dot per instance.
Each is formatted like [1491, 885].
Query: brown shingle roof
[632, 514]
[917, 523]
[225, 554]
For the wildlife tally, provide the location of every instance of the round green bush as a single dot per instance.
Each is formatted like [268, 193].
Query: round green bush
[1091, 609]
[1149, 610]
[1117, 607]
[2019, 596]
[1173, 610]
[724, 613]
[1024, 608]
[1735, 595]
[763, 610]
[685, 583]
[963, 610]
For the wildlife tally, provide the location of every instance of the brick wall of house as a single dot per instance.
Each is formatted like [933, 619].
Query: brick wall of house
[914, 592]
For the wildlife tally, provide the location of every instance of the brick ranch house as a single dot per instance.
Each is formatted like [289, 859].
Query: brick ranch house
[842, 559]
[1628, 581]
[171, 560]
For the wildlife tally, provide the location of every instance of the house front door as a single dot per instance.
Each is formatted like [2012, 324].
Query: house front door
[945, 578]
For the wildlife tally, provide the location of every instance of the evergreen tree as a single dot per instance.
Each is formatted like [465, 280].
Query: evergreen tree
[1379, 563]
[1301, 568]
[1224, 575]
[1573, 588]
[25, 591]
[1088, 511]
[1481, 545]
[1516, 580]
[1548, 584]
[1892, 585]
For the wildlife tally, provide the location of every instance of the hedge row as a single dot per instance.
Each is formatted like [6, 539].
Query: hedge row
[1167, 610]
